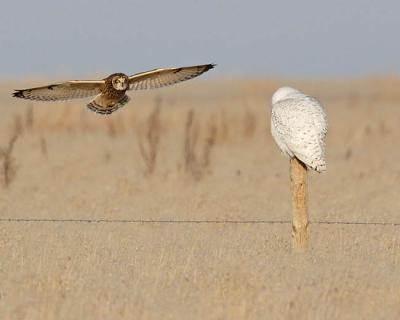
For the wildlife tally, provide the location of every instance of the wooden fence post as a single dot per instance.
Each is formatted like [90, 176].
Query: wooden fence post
[298, 179]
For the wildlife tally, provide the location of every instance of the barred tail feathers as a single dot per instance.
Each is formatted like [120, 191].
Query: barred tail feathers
[102, 105]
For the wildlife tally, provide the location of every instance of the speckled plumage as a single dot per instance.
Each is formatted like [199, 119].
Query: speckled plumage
[299, 127]
[110, 92]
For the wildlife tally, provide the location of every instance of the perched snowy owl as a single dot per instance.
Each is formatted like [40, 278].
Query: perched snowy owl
[299, 127]
[110, 92]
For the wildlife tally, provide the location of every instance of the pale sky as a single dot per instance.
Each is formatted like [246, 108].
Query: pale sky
[302, 38]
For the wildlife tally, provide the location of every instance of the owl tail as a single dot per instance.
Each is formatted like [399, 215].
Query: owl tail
[317, 164]
[104, 106]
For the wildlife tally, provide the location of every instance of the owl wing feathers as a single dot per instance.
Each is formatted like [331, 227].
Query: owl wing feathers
[319, 117]
[62, 91]
[158, 78]
[300, 128]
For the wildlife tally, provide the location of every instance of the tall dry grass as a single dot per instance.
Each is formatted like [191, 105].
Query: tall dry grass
[191, 137]
[196, 152]
[9, 166]
[150, 140]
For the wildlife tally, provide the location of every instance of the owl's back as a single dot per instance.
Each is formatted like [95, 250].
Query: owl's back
[299, 127]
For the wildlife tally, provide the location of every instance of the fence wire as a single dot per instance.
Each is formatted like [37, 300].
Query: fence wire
[142, 221]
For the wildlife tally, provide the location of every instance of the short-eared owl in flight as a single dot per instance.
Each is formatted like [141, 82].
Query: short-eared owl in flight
[110, 92]
[299, 127]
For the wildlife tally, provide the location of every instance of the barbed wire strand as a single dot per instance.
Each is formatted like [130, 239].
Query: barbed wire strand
[142, 221]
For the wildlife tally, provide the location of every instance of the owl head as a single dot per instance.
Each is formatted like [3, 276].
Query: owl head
[284, 93]
[120, 81]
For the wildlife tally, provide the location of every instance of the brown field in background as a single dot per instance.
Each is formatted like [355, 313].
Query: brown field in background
[201, 150]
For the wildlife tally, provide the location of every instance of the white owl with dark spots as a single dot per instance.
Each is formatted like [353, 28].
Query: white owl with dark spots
[299, 127]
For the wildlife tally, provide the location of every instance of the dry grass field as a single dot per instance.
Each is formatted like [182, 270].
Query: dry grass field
[200, 151]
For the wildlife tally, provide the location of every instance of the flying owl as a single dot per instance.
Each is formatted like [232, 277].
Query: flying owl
[111, 92]
[299, 127]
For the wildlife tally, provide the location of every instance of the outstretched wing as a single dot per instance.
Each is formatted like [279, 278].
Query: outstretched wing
[62, 91]
[158, 78]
